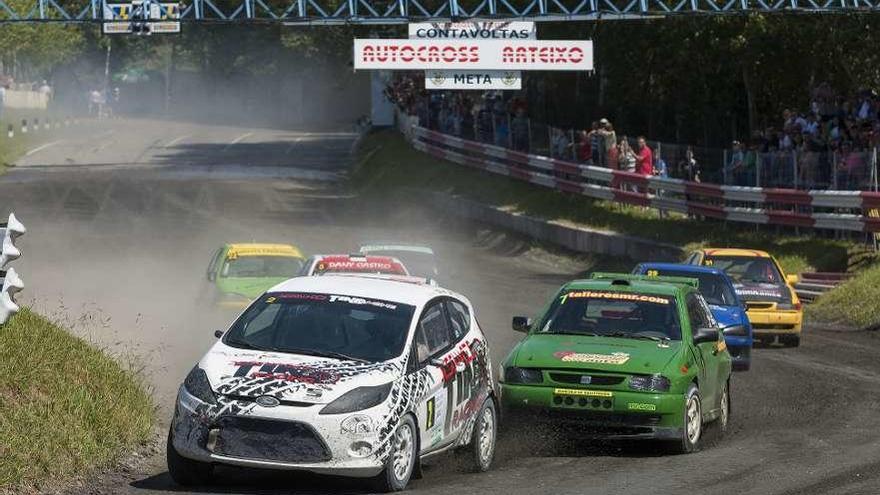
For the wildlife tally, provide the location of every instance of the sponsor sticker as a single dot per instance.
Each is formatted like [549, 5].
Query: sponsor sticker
[583, 393]
[641, 406]
[616, 358]
[616, 296]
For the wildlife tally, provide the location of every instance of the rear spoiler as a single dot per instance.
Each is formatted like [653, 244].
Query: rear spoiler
[626, 278]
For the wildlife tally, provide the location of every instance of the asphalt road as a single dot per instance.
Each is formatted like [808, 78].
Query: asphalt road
[122, 218]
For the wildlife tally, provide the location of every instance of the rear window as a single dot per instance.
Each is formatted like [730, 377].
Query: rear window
[613, 314]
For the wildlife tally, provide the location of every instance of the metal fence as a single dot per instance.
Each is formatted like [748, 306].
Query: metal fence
[851, 170]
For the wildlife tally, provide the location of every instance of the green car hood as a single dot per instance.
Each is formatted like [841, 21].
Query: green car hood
[250, 287]
[595, 353]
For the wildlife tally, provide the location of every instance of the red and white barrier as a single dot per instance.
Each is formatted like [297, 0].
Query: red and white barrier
[820, 209]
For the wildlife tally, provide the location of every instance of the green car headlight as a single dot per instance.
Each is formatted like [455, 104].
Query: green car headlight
[513, 374]
[652, 383]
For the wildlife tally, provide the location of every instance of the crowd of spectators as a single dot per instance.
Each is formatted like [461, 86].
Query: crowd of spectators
[832, 144]
[500, 119]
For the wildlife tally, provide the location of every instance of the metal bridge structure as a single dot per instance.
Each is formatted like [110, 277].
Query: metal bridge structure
[379, 12]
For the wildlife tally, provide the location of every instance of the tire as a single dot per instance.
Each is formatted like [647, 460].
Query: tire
[790, 340]
[692, 423]
[398, 471]
[484, 436]
[184, 471]
[723, 420]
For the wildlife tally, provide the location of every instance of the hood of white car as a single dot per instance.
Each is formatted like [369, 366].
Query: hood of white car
[300, 378]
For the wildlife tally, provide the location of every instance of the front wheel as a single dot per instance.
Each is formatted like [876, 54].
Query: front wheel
[482, 447]
[724, 414]
[692, 423]
[402, 457]
[184, 471]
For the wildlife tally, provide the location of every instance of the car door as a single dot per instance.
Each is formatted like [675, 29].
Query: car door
[706, 352]
[470, 358]
[432, 353]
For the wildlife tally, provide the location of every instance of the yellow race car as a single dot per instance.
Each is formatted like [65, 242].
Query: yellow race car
[772, 305]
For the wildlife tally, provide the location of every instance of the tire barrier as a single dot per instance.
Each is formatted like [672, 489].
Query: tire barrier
[818, 209]
[11, 282]
[48, 124]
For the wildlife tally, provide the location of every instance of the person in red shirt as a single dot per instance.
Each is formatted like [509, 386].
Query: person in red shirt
[645, 158]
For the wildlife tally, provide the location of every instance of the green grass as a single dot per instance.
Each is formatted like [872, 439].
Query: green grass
[388, 163]
[65, 407]
[853, 303]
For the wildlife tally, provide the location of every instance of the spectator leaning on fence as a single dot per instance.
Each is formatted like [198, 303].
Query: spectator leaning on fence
[626, 157]
[595, 137]
[645, 158]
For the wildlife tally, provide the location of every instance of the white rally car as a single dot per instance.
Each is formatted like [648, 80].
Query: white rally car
[349, 375]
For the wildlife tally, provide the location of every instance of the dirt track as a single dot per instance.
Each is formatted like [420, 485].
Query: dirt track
[122, 220]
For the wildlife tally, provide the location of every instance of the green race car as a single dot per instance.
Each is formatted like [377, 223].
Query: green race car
[622, 356]
[238, 273]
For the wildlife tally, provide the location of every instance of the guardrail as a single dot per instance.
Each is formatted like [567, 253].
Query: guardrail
[818, 209]
[813, 285]
[11, 282]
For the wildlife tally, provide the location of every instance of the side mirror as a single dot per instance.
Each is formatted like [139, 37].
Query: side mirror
[703, 335]
[521, 324]
[218, 333]
[792, 279]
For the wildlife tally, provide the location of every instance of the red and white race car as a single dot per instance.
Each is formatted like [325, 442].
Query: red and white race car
[323, 264]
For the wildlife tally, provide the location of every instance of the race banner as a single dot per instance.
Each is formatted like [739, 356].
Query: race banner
[475, 30]
[494, 54]
[473, 79]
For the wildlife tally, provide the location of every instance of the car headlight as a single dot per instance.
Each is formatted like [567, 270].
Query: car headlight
[653, 383]
[358, 399]
[736, 331]
[522, 375]
[197, 384]
[788, 306]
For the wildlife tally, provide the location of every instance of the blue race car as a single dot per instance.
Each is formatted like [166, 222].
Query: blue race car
[727, 308]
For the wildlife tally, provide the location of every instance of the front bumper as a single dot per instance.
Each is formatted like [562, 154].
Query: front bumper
[622, 414]
[198, 433]
[775, 322]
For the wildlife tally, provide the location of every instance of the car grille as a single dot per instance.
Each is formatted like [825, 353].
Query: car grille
[271, 440]
[575, 378]
[759, 305]
[772, 326]
[598, 420]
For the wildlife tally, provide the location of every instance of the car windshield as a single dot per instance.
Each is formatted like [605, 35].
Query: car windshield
[713, 288]
[746, 269]
[328, 325]
[613, 314]
[418, 264]
[261, 266]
